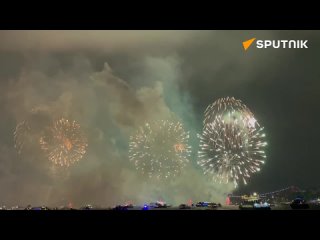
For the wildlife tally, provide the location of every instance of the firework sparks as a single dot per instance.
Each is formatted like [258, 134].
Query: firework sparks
[160, 149]
[232, 145]
[231, 109]
[20, 135]
[27, 132]
[64, 143]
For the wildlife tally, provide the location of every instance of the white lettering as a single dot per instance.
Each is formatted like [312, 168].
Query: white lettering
[304, 44]
[284, 43]
[259, 44]
[267, 43]
[292, 42]
[276, 46]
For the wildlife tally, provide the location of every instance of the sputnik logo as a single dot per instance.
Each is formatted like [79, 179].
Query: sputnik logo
[283, 44]
[246, 44]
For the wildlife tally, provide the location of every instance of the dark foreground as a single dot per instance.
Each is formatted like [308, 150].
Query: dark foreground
[166, 208]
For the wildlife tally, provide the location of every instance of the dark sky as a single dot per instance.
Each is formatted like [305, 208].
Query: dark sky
[112, 81]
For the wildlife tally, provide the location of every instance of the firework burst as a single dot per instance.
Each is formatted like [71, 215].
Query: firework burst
[27, 132]
[160, 149]
[21, 134]
[64, 143]
[229, 108]
[232, 145]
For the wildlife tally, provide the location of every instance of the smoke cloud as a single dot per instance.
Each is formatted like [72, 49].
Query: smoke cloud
[111, 82]
[109, 109]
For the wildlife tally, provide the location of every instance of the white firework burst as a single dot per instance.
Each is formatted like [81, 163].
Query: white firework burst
[160, 149]
[232, 144]
[229, 108]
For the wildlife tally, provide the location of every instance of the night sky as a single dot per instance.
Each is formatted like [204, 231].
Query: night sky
[111, 82]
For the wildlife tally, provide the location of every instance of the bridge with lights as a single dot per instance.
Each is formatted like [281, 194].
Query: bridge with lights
[283, 194]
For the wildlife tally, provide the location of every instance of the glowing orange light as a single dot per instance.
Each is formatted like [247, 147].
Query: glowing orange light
[67, 143]
[179, 147]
